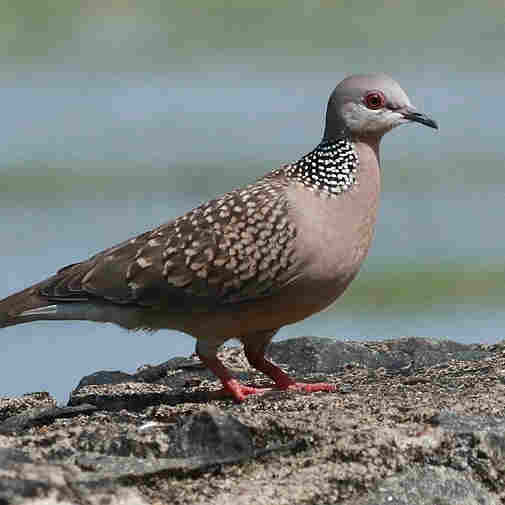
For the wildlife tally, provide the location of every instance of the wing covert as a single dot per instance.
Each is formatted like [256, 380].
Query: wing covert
[235, 248]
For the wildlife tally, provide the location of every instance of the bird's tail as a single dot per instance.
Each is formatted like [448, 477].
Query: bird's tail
[25, 306]
[30, 305]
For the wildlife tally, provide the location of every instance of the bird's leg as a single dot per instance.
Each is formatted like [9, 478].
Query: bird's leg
[254, 348]
[207, 352]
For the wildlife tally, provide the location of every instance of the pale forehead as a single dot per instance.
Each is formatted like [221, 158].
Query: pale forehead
[357, 85]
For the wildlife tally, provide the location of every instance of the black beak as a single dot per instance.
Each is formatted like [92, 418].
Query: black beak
[417, 117]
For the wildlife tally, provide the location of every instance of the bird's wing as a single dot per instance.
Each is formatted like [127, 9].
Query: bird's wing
[235, 248]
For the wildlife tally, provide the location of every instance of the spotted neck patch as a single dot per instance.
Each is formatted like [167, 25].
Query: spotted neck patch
[332, 167]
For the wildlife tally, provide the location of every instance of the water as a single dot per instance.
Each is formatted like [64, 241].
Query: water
[116, 119]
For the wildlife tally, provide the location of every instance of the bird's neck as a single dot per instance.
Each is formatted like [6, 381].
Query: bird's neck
[332, 167]
[368, 145]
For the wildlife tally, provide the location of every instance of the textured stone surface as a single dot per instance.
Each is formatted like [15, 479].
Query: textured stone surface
[42, 416]
[430, 486]
[405, 433]
[12, 406]
[313, 354]
[105, 377]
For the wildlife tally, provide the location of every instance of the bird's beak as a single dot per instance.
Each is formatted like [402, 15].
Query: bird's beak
[417, 117]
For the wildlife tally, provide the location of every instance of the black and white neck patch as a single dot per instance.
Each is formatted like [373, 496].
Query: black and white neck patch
[332, 167]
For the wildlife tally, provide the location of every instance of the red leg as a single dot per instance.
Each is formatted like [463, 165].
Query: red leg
[255, 353]
[231, 386]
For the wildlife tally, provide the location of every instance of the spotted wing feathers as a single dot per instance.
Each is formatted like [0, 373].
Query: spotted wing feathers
[235, 248]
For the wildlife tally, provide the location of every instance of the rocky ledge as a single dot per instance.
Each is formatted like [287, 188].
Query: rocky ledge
[415, 421]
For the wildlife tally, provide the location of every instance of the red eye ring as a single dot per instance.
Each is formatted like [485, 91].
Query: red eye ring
[375, 100]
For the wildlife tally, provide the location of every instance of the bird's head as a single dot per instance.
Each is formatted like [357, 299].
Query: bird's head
[368, 106]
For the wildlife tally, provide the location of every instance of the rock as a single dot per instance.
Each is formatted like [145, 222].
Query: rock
[215, 436]
[183, 380]
[28, 482]
[132, 396]
[324, 355]
[12, 406]
[41, 416]
[429, 486]
[159, 372]
[105, 377]
[308, 355]
[421, 422]
[462, 424]
[10, 457]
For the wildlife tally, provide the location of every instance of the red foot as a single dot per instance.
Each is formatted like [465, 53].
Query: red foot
[238, 391]
[311, 388]
[282, 380]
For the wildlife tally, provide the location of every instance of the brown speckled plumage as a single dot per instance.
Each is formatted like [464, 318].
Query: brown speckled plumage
[234, 248]
[251, 261]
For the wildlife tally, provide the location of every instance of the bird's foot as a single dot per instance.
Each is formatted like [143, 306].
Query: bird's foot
[238, 391]
[310, 388]
[281, 379]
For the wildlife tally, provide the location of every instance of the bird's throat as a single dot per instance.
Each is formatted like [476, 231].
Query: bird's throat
[332, 167]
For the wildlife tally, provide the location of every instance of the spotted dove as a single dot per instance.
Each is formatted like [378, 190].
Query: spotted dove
[255, 259]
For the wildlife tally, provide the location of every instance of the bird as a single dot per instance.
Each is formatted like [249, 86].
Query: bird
[246, 263]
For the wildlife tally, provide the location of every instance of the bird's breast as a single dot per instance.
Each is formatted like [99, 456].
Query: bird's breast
[334, 233]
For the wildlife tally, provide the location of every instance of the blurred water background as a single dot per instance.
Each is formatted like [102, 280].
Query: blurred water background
[118, 115]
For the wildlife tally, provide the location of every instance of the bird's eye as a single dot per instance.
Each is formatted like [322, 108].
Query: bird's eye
[375, 100]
